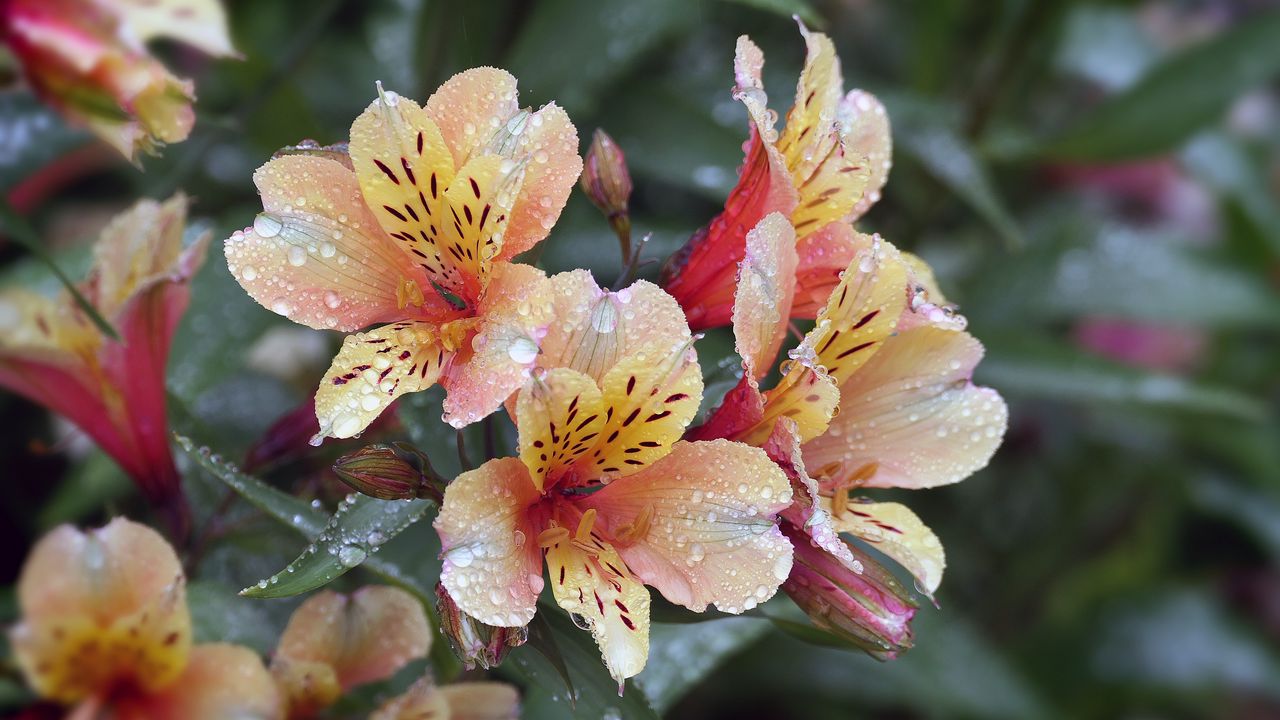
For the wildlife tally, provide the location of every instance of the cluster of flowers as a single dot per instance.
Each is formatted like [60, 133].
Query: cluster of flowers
[413, 229]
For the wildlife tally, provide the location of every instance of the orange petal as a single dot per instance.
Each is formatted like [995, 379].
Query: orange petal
[698, 525]
[897, 532]
[492, 565]
[913, 412]
[365, 637]
[481, 701]
[221, 681]
[594, 328]
[824, 255]
[513, 318]
[559, 417]
[808, 512]
[422, 701]
[100, 608]
[864, 128]
[649, 399]
[373, 369]
[470, 106]
[139, 245]
[766, 285]
[322, 262]
[549, 148]
[590, 581]
[478, 203]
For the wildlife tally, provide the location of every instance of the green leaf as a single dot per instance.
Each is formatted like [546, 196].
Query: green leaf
[1178, 97]
[681, 656]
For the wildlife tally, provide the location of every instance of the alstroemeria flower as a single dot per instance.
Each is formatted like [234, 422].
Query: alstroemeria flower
[105, 627]
[823, 172]
[693, 519]
[425, 700]
[113, 390]
[335, 642]
[899, 374]
[417, 229]
[88, 58]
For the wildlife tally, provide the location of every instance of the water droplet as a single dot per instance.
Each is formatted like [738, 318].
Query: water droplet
[523, 350]
[267, 226]
[352, 555]
[297, 256]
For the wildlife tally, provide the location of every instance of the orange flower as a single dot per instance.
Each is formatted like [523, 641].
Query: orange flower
[88, 58]
[457, 701]
[416, 228]
[105, 625]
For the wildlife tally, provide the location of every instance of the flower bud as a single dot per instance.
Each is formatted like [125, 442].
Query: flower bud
[380, 471]
[868, 609]
[606, 181]
[474, 642]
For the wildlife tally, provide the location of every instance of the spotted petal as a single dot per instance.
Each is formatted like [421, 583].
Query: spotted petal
[492, 565]
[824, 255]
[559, 417]
[766, 285]
[806, 137]
[698, 525]
[912, 414]
[899, 533]
[590, 581]
[373, 369]
[221, 681]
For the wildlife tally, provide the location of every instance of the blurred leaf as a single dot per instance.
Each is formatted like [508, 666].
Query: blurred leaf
[1177, 97]
[682, 656]
[88, 487]
[1223, 163]
[787, 8]
[219, 615]
[1106, 45]
[1254, 509]
[542, 639]
[1057, 372]
[31, 136]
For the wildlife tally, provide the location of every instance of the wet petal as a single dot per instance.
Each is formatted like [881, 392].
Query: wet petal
[549, 149]
[741, 411]
[100, 607]
[926, 304]
[824, 255]
[470, 106]
[514, 315]
[316, 255]
[559, 417]
[808, 512]
[766, 285]
[899, 533]
[864, 128]
[373, 369]
[649, 400]
[591, 582]
[698, 525]
[365, 637]
[492, 563]
[594, 327]
[479, 202]
[221, 681]
[807, 136]
[806, 395]
[913, 413]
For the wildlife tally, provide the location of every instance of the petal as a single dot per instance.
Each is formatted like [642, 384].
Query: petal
[741, 410]
[559, 417]
[807, 136]
[913, 416]
[549, 148]
[478, 202]
[897, 532]
[698, 525]
[469, 106]
[864, 128]
[927, 305]
[766, 285]
[860, 314]
[514, 315]
[373, 369]
[100, 607]
[492, 566]
[702, 274]
[422, 701]
[805, 395]
[594, 328]
[824, 255]
[221, 681]
[590, 581]
[323, 262]
[649, 399]
[365, 637]
[138, 245]
[482, 701]
[199, 23]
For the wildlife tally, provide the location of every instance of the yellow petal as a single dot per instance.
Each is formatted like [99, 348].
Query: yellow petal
[699, 524]
[766, 285]
[137, 245]
[469, 106]
[595, 328]
[100, 608]
[478, 203]
[306, 686]
[492, 565]
[807, 138]
[549, 149]
[649, 399]
[913, 412]
[422, 701]
[221, 681]
[199, 23]
[482, 701]
[365, 637]
[831, 190]
[38, 328]
[927, 305]
[590, 581]
[860, 313]
[897, 532]
[559, 417]
[864, 129]
[373, 369]
[806, 396]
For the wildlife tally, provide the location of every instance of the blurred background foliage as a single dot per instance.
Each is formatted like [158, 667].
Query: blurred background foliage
[1095, 182]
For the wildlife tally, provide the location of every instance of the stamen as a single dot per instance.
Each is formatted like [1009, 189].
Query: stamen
[840, 497]
[637, 528]
[553, 535]
[408, 293]
[584, 526]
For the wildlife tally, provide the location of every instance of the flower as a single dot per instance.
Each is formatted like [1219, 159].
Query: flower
[605, 491]
[607, 182]
[105, 624]
[336, 642]
[456, 701]
[88, 58]
[474, 642]
[896, 366]
[416, 228]
[822, 172]
[114, 390]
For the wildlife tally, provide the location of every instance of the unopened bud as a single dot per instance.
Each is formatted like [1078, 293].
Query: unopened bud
[868, 609]
[383, 472]
[606, 181]
[474, 642]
